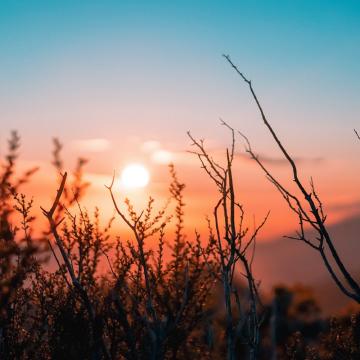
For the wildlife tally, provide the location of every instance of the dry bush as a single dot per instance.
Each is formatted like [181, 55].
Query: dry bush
[143, 307]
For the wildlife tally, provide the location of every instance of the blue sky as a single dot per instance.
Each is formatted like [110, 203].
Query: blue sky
[153, 70]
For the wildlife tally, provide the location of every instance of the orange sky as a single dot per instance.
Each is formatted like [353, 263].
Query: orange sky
[336, 182]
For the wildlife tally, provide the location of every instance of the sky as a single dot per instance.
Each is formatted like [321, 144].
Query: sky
[123, 81]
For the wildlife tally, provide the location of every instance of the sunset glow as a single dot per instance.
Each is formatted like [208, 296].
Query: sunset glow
[179, 179]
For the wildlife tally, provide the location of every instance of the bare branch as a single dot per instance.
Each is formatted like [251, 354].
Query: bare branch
[315, 216]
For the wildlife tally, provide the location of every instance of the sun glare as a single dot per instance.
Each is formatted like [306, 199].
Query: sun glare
[135, 176]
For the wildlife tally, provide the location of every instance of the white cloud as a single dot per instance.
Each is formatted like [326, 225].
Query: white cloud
[162, 157]
[92, 145]
[150, 146]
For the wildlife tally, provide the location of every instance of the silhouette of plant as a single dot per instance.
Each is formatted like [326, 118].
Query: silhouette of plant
[158, 294]
[234, 248]
[307, 206]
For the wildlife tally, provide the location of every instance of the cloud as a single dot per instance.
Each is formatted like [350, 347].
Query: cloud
[162, 157]
[278, 161]
[92, 145]
[150, 146]
[156, 152]
[350, 206]
[186, 157]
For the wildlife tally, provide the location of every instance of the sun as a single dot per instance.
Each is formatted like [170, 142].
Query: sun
[135, 176]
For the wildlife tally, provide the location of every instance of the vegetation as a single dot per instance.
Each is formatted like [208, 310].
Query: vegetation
[143, 306]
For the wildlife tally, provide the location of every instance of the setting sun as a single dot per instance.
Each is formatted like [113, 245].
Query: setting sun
[135, 176]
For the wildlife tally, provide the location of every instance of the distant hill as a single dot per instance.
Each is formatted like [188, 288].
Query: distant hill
[288, 261]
